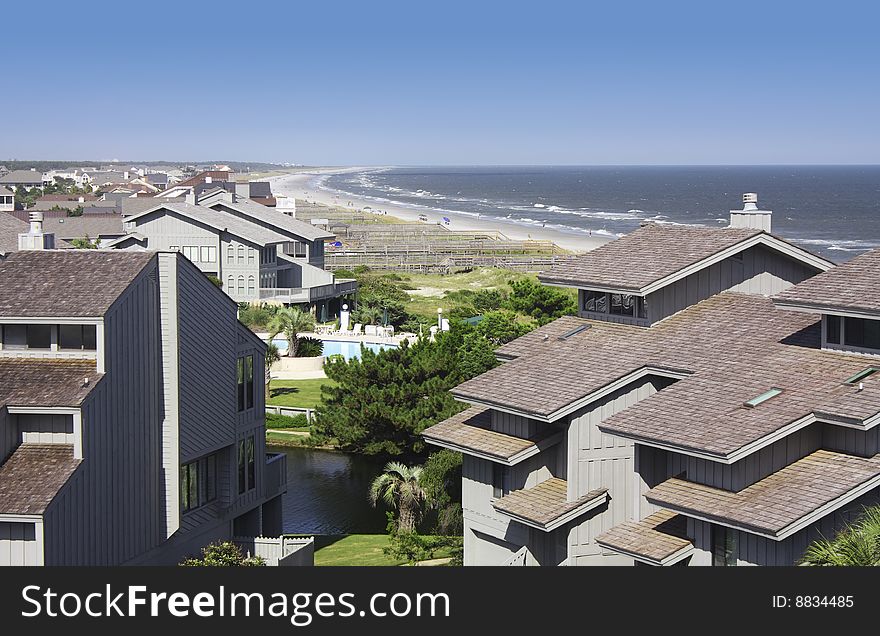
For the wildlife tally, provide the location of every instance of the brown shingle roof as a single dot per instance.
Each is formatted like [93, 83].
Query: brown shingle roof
[775, 505]
[851, 286]
[45, 382]
[33, 475]
[659, 539]
[469, 432]
[649, 254]
[545, 506]
[72, 283]
[10, 228]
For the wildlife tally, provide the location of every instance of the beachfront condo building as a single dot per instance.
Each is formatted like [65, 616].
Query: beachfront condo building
[715, 402]
[257, 253]
[131, 411]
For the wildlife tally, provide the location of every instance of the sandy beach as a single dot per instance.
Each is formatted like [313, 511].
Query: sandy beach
[307, 185]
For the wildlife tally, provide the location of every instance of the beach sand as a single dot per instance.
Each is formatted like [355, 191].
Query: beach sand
[306, 185]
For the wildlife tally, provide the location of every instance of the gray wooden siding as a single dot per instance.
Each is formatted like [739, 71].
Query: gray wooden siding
[848, 440]
[18, 544]
[112, 507]
[45, 429]
[207, 376]
[761, 271]
[8, 434]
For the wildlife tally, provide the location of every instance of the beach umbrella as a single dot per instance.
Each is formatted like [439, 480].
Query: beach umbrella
[385, 315]
[446, 219]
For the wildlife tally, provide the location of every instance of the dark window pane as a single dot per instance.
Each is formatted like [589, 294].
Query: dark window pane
[249, 377]
[14, 337]
[241, 384]
[724, 551]
[595, 301]
[193, 485]
[70, 336]
[90, 337]
[184, 488]
[858, 332]
[211, 478]
[622, 304]
[643, 307]
[832, 326]
[39, 336]
[251, 463]
[241, 462]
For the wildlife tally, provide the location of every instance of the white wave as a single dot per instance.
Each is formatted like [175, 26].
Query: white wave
[539, 205]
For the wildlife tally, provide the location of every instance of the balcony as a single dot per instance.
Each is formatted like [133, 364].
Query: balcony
[295, 295]
[276, 475]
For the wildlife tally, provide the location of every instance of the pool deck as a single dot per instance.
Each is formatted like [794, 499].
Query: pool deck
[347, 337]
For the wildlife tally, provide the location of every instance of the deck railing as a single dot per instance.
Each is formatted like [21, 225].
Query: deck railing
[275, 480]
[518, 558]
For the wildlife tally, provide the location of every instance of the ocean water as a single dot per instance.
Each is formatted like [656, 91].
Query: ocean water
[831, 210]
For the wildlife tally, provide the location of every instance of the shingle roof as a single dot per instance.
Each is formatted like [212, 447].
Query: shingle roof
[659, 539]
[71, 283]
[10, 228]
[91, 225]
[45, 382]
[650, 253]
[279, 219]
[851, 286]
[23, 176]
[33, 475]
[6, 192]
[774, 505]
[217, 219]
[469, 432]
[545, 506]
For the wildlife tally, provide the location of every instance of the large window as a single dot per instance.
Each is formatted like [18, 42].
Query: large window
[77, 337]
[208, 254]
[861, 333]
[251, 256]
[241, 254]
[198, 483]
[247, 477]
[251, 288]
[230, 254]
[832, 329]
[724, 552]
[622, 305]
[245, 383]
[500, 480]
[241, 289]
[596, 301]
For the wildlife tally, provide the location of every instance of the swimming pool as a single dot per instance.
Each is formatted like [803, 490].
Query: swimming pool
[345, 348]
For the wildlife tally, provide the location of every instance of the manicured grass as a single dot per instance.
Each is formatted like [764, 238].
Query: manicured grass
[304, 394]
[357, 549]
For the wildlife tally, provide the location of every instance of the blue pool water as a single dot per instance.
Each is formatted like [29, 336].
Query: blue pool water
[347, 350]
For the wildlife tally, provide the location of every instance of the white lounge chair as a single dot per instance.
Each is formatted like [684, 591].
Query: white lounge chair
[357, 329]
[370, 330]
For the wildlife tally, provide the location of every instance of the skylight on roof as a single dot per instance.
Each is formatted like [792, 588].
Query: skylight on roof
[573, 332]
[861, 375]
[755, 401]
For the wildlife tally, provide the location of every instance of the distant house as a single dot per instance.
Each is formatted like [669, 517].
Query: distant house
[98, 228]
[22, 178]
[259, 255]
[157, 179]
[127, 437]
[7, 199]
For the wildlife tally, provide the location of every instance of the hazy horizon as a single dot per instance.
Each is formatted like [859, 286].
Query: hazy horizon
[671, 84]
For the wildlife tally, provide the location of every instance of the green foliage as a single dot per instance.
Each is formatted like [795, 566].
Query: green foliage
[399, 488]
[500, 327]
[384, 400]
[84, 244]
[344, 273]
[217, 282]
[544, 304]
[276, 421]
[856, 545]
[272, 356]
[77, 211]
[441, 480]
[310, 348]
[411, 547]
[376, 295]
[486, 300]
[223, 554]
[255, 316]
[290, 321]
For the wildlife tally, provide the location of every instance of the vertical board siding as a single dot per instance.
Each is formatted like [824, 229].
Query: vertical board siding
[18, 544]
[45, 429]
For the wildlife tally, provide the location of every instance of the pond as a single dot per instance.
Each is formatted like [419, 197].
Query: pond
[327, 492]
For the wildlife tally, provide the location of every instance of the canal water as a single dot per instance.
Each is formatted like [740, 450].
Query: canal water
[327, 492]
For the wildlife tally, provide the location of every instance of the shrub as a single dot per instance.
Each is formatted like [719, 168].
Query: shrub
[310, 348]
[274, 420]
[223, 554]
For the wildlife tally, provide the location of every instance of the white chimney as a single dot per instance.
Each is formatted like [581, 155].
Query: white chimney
[35, 238]
[750, 216]
[208, 179]
[287, 205]
[125, 175]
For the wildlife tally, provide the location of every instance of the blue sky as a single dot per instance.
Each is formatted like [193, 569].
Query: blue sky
[382, 83]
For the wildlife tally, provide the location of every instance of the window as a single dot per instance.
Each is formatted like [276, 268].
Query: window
[230, 284]
[596, 301]
[204, 254]
[241, 254]
[241, 289]
[755, 401]
[724, 551]
[39, 336]
[573, 332]
[251, 255]
[174, 248]
[240, 373]
[198, 483]
[247, 478]
[862, 333]
[861, 375]
[295, 248]
[77, 337]
[643, 306]
[15, 337]
[245, 371]
[622, 305]
[251, 288]
[832, 329]
[230, 254]
[500, 480]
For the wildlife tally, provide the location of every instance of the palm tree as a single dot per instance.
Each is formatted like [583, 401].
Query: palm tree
[857, 544]
[398, 486]
[272, 356]
[291, 321]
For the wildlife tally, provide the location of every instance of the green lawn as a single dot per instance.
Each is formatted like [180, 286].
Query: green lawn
[357, 549]
[435, 286]
[297, 393]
